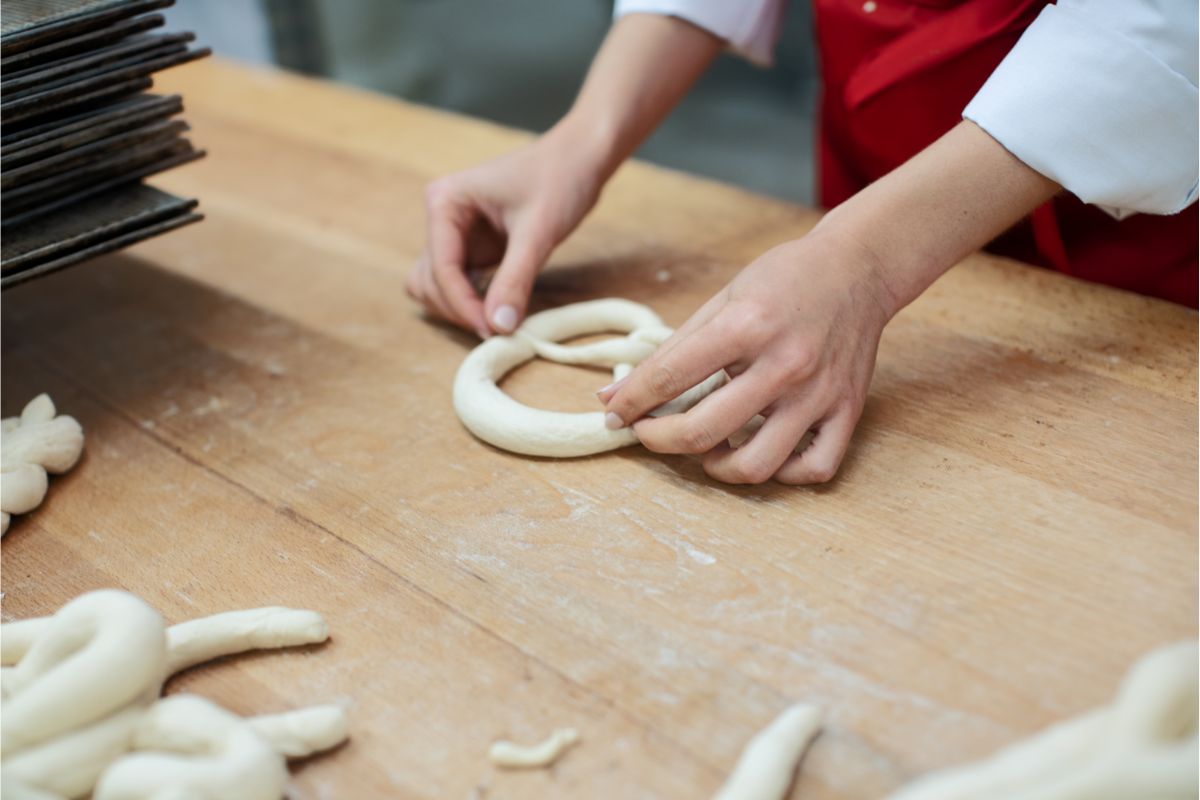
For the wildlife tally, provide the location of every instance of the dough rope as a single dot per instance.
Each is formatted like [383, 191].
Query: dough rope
[1143, 745]
[768, 763]
[31, 445]
[501, 421]
[510, 755]
[80, 691]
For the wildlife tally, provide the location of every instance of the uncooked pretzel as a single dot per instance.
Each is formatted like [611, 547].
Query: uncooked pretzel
[500, 420]
[80, 690]
[31, 445]
[1142, 746]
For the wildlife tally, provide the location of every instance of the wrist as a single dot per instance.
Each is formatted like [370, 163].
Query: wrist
[880, 275]
[590, 143]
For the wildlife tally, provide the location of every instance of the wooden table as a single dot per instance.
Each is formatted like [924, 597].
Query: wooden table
[269, 422]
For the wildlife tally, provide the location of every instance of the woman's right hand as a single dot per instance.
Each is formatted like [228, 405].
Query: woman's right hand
[512, 211]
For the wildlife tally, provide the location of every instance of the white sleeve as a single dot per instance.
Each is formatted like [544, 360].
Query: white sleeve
[1100, 96]
[750, 26]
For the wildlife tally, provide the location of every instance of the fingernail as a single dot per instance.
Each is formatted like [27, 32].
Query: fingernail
[505, 319]
[613, 422]
[611, 386]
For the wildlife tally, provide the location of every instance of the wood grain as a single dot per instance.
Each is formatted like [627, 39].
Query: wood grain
[268, 421]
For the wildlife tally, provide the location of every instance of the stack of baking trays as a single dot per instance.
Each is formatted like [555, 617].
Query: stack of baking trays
[79, 131]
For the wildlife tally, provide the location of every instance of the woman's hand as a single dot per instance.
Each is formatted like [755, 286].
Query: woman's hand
[797, 330]
[512, 211]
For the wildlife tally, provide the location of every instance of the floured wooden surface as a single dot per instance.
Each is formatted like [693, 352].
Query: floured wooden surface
[269, 422]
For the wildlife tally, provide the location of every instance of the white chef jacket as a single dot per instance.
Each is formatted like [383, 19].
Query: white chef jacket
[1098, 95]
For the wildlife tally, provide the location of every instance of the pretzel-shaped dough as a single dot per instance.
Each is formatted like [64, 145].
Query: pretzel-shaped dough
[498, 419]
[31, 445]
[86, 678]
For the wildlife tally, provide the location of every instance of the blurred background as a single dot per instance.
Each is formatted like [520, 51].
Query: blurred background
[519, 63]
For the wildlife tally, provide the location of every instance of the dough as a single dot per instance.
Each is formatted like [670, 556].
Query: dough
[80, 691]
[499, 420]
[767, 765]
[1144, 745]
[31, 445]
[515, 756]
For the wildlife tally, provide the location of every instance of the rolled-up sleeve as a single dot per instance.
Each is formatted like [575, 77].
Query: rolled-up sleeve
[751, 27]
[1100, 96]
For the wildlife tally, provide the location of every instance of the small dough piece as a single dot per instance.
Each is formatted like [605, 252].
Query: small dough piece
[1142, 746]
[515, 756]
[768, 763]
[501, 421]
[31, 445]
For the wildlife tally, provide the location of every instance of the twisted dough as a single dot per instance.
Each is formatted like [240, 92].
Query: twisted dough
[1142, 746]
[80, 691]
[31, 445]
[499, 420]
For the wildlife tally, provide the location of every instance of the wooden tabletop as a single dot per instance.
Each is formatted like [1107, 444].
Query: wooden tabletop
[268, 421]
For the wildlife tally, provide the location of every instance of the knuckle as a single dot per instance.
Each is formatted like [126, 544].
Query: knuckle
[803, 361]
[697, 438]
[822, 472]
[752, 470]
[439, 194]
[748, 326]
[664, 381]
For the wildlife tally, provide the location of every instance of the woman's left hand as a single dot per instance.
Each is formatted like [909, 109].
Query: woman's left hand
[797, 330]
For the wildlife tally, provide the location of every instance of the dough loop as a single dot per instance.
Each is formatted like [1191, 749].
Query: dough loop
[31, 445]
[499, 420]
[80, 702]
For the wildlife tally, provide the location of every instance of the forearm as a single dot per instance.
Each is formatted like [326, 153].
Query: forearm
[946, 202]
[645, 66]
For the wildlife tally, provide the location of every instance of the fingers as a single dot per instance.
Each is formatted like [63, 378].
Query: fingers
[820, 460]
[670, 372]
[457, 301]
[757, 460]
[711, 421]
[508, 295]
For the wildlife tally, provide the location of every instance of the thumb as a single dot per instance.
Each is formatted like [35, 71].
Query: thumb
[508, 295]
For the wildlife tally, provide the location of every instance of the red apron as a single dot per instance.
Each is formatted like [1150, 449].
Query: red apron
[897, 75]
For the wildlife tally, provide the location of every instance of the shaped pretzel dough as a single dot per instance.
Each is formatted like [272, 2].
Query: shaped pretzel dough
[31, 445]
[1142, 746]
[500, 420]
[80, 690]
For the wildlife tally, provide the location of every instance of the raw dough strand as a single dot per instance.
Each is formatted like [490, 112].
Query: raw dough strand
[768, 763]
